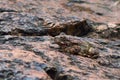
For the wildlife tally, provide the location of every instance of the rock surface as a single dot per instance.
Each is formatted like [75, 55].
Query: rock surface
[59, 40]
[39, 58]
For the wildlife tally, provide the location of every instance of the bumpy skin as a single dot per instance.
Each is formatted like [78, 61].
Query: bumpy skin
[72, 45]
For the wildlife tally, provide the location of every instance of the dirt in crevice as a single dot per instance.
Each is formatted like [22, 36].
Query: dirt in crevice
[77, 28]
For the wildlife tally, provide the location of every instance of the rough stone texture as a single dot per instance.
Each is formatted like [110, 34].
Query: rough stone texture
[20, 24]
[57, 10]
[59, 40]
[40, 58]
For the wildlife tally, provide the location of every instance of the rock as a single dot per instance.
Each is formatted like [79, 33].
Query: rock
[110, 61]
[51, 63]
[54, 46]
[101, 28]
[21, 24]
[57, 11]
[30, 78]
[75, 28]
[59, 40]
[111, 25]
[104, 31]
[111, 33]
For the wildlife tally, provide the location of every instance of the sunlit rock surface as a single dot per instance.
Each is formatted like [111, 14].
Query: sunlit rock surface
[59, 40]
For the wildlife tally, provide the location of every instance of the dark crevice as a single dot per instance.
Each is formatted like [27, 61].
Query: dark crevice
[77, 1]
[20, 32]
[6, 10]
[52, 72]
[3, 33]
[76, 28]
[57, 75]
[100, 14]
[64, 77]
[2, 20]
